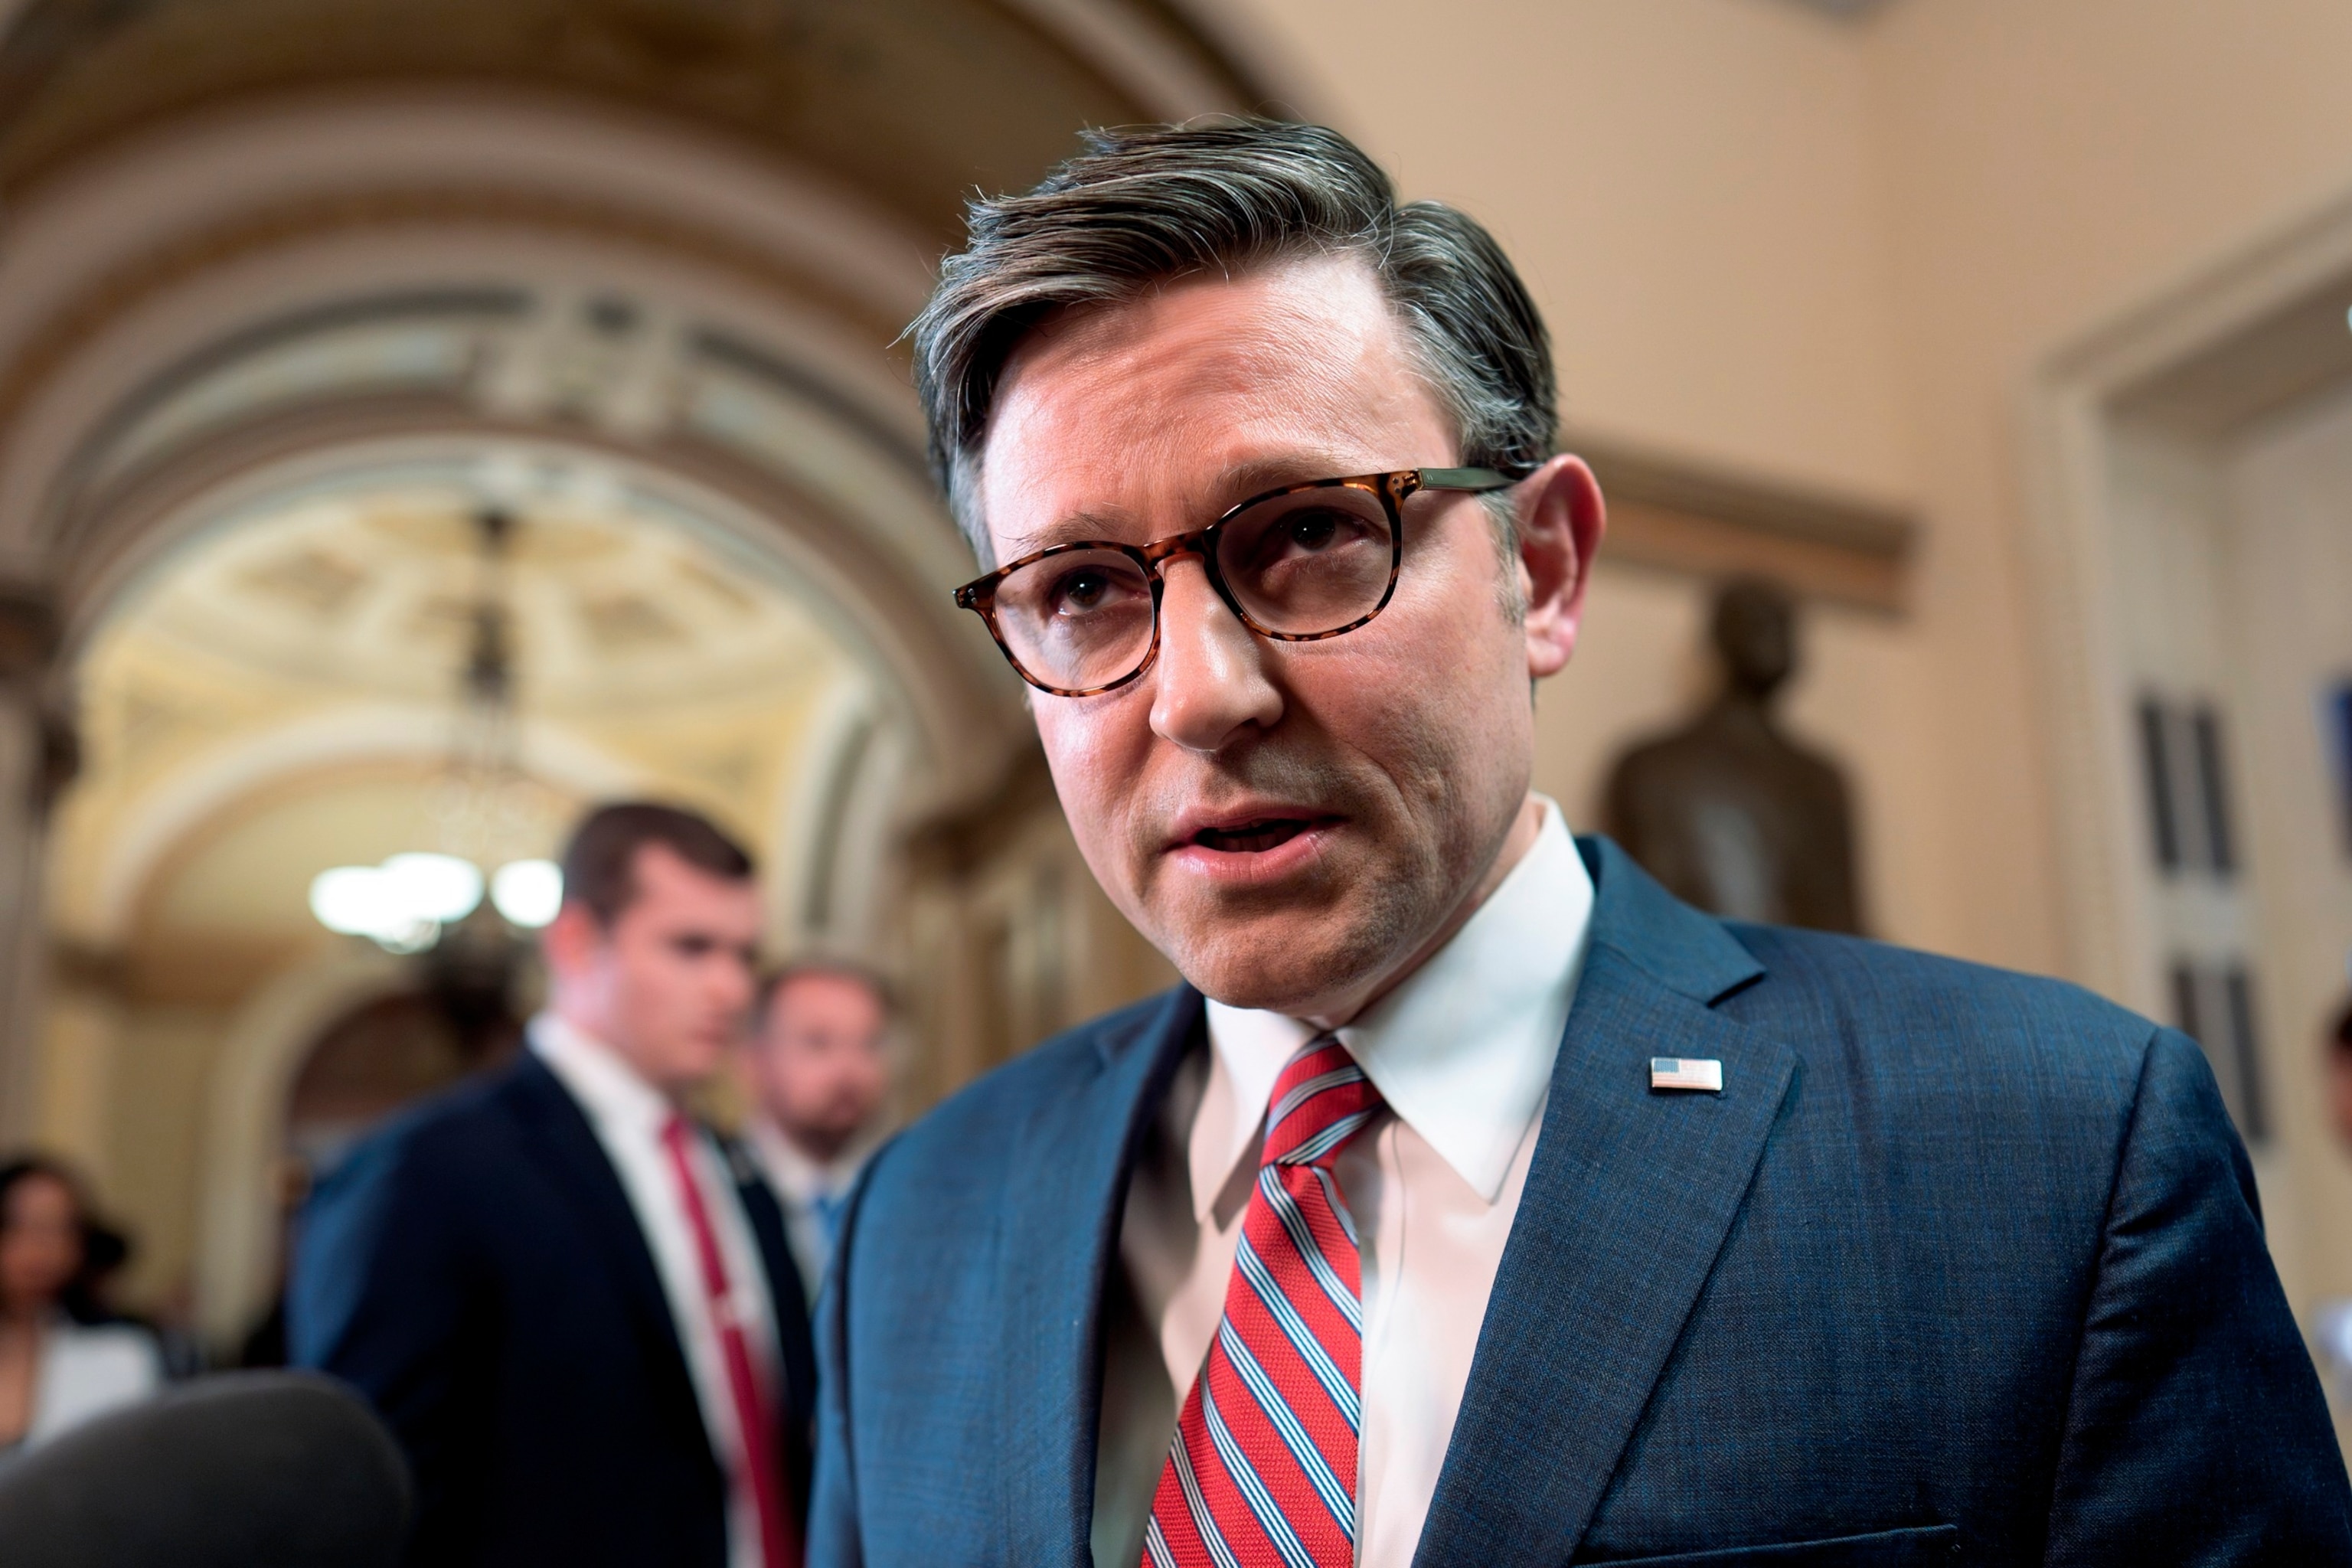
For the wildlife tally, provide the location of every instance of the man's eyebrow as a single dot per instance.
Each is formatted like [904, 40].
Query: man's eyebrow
[1255, 476]
[1233, 483]
[1076, 525]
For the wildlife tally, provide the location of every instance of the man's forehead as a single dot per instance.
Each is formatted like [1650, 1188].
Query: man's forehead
[654, 864]
[1220, 386]
[826, 986]
[667, 888]
[1315, 315]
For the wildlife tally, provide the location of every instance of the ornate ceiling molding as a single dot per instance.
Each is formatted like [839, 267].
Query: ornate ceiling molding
[914, 101]
[164, 253]
[896, 621]
[107, 299]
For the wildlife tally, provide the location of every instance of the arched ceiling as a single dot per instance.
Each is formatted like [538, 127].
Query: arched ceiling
[587, 411]
[367, 591]
[297, 666]
[260, 254]
[250, 479]
[909, 103]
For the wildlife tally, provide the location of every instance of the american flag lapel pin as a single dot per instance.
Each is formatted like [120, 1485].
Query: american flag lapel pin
[1704, 1074]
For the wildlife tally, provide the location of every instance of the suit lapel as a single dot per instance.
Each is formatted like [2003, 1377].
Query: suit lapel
[1063, 1202]
[565, 1147]
[765, 1216]
[796, 1410]
[1627, 1203]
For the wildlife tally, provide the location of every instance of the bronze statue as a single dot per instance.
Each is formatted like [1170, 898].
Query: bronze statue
[1729, 812]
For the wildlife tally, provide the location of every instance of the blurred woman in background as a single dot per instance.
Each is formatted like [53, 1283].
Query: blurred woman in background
[62, 1358]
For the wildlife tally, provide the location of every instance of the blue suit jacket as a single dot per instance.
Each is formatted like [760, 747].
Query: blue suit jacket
[1960, 1267]
[476, 1271]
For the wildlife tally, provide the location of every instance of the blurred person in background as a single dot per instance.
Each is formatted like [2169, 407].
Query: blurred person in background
[63, 1357]
[816, 1070]
[574, 1306]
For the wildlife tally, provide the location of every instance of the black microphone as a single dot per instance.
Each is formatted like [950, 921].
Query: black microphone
[286, 1470]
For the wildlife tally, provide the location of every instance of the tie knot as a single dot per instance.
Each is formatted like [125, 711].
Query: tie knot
[1321, 1101]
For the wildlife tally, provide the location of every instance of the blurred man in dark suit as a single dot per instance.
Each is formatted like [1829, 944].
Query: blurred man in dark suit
[577, 1309]
[1474, 1201]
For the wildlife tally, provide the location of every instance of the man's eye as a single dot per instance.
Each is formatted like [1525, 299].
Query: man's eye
[1311, 531]
[1307, 531]
[1082, 590]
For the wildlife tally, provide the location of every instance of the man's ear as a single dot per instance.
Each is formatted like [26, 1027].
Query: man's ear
[1560, 517]
[571, 939]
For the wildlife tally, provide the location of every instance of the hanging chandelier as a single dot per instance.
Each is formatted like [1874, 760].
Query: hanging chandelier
[477, 803]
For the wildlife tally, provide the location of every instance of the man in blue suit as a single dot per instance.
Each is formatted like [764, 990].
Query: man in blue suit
[576, 1310]
[1473, 1202]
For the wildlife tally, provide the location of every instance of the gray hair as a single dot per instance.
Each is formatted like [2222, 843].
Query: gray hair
[1144, 206]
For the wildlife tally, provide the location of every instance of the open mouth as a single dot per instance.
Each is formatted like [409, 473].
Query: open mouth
[1252, 838]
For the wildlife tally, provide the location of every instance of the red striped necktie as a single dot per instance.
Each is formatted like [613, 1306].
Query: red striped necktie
[1263, 1470]
[780, 1546]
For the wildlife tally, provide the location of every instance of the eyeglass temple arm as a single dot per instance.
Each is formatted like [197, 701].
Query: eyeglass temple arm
[1469, 479]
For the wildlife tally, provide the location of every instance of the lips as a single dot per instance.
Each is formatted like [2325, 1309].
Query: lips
[1257, 848]
[1252, 838]
[1247, 828]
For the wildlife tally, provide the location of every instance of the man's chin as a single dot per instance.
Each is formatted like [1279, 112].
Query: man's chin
[1300, 964]
[693, 1065]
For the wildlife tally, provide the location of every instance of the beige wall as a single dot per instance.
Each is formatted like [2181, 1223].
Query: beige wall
[1641, 668]
[1689, 185]
[1834, 254]
[2051, 165]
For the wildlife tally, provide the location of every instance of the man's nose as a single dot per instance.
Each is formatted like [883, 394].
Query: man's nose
[1210, 679]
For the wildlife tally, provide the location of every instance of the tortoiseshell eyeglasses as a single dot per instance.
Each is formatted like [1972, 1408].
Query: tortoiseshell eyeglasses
[1296, 565]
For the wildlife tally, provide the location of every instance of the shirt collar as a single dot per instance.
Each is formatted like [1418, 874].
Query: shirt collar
[1461, 1049]
[800, 1178]
[606, 1087]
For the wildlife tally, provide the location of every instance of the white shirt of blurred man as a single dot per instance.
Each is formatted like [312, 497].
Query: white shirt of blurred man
[816, 1071]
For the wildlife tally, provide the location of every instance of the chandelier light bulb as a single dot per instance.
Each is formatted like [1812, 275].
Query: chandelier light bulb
[438, 888]
[528, 892]
[401, 905]
[349, 899]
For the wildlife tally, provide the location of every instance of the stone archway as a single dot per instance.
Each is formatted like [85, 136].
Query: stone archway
[262, 252]
[357, 535]
[724, 217]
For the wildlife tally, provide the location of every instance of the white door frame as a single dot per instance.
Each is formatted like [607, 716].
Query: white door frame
[2073, 539]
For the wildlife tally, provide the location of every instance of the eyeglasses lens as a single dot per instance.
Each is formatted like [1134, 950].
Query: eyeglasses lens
[1299, 564]
[1077, 620]
[1311, 561]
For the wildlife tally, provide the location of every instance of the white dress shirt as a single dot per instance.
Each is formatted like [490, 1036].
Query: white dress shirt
[1462, 1052]
[628, 1115]
[804, 1189]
